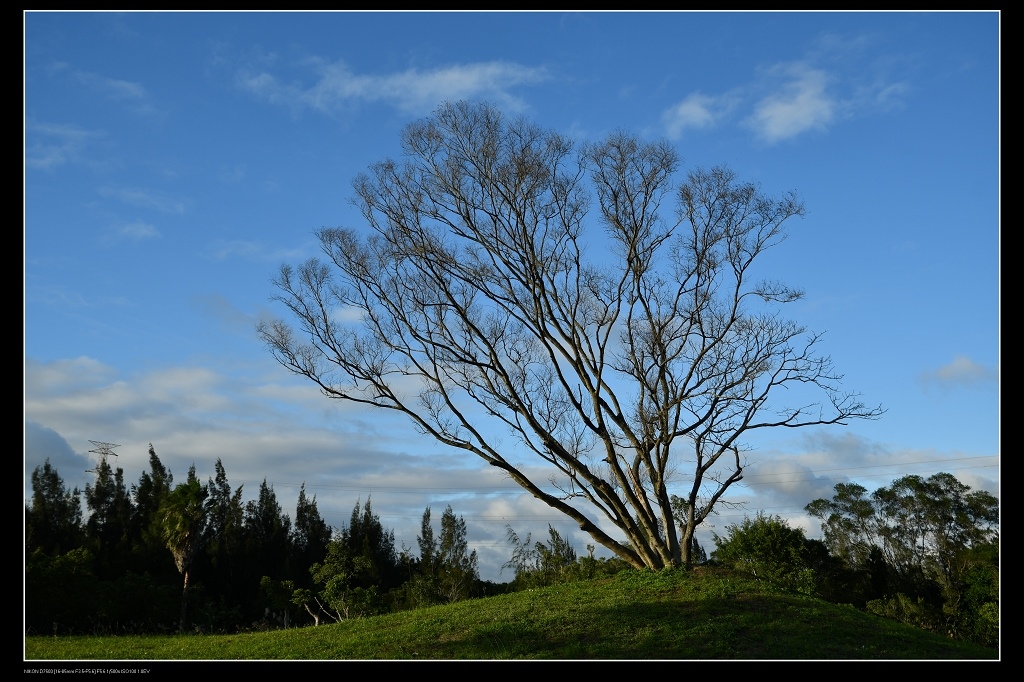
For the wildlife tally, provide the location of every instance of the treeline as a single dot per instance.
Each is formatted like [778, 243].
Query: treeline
[192, 556]
[921, 551]
[156, 556]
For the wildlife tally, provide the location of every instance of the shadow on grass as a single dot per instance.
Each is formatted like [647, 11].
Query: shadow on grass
[732, 628]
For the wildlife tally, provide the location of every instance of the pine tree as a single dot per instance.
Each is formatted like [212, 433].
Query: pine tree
[224, 560]
[457, 566]
[267, 543]
[360, 566]
[367, 539]
[310, 536]
[422, 587]
[109, 523]
[427, 544]
[146, 533]
[53, 521]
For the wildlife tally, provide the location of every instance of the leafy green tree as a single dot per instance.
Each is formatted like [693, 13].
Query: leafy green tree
[930, 523]
[184, 516]
[447, 570]
[558, 555]
[920, 526]
[53, 520]
[979, 604]
[427, 544]
[849, 523]
[346, 580]
[153, 486]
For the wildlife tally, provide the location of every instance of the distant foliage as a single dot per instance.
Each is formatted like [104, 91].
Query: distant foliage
[53, 521]
[926, 551]
[360, 567]
[447, 570]
[537, 564]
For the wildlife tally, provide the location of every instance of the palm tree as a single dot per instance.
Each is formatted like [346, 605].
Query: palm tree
[183, 518]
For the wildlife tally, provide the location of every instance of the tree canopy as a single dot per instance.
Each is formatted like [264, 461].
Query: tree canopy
[576, 295]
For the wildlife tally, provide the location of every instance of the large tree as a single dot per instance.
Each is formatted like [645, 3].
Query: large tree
[515, 279]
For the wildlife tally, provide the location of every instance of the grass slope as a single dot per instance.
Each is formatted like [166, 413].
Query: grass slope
[636, 615]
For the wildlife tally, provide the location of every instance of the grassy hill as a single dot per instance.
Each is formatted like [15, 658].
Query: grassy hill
[705, 614]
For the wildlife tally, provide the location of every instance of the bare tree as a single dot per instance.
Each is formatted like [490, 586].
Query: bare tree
[626, 369]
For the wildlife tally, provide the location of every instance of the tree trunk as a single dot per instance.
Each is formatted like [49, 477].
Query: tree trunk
[184, 601]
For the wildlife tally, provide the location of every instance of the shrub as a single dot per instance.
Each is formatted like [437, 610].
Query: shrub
[902, 608]
[768, 549]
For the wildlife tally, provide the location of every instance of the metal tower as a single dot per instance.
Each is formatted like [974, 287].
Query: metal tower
[103, 450]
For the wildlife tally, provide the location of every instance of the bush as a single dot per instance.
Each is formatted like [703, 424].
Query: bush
[540, 564]
[60, 592]
[902, 608]
[768, 549]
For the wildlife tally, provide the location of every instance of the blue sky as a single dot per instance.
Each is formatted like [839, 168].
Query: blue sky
[173, 161]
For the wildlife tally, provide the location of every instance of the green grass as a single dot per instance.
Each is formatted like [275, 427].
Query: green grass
[636, 615]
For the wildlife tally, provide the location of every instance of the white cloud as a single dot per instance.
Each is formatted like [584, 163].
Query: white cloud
[42, 444]
[128, 92]
[112, 87]
[144, 198]
[961, 371]
[415, 91]
[794, 98]
[801, 105]
[45, 380]
[888, 96]
[49, 145]
[232, 174]
[223, 249]
[696, 111]
[135, 231]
